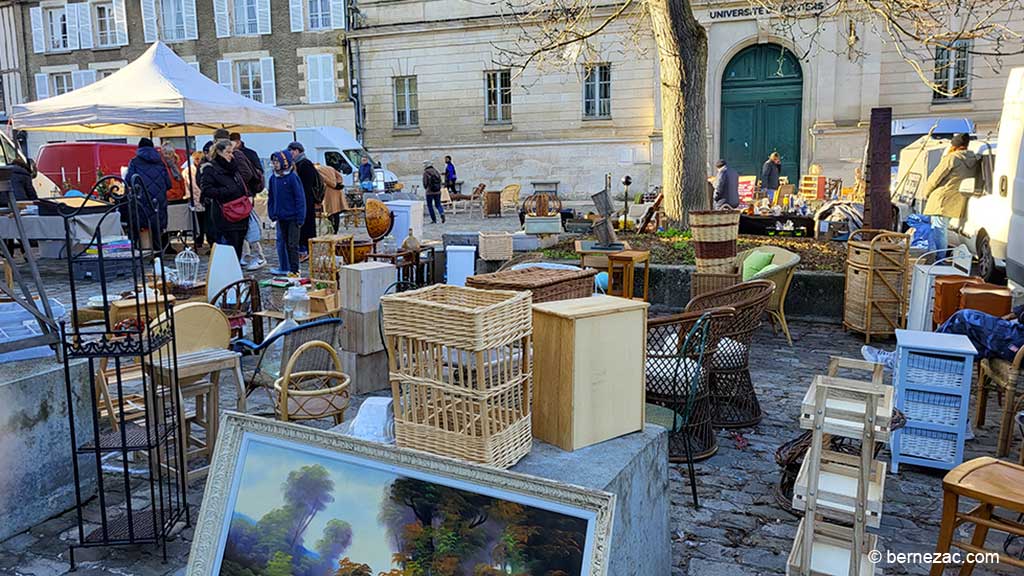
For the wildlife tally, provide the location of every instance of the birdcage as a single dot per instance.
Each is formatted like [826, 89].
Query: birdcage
[187, 264]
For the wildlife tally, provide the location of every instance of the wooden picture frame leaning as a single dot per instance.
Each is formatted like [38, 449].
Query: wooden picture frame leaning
[243, 438]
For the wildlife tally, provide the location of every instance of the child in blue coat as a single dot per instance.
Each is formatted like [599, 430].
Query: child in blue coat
[287, 207]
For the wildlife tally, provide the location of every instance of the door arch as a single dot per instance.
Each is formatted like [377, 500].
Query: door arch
[762, 90]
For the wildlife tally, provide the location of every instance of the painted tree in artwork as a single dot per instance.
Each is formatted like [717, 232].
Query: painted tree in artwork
[346, 567]
[279, 565]
[337, 537]
[307, 491]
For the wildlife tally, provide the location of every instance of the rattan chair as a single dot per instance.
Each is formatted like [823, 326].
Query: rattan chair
[1007, 378]
[240, 301]
[510, 197]
[733, 398]
[783, 268]
[311, 394]
[676, 370]
[268, 364]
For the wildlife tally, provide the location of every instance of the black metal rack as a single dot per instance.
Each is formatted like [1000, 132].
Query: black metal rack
[139, 457]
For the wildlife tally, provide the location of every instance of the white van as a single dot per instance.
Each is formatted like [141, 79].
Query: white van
[984, 224]
[329, 145]
[1008, 175]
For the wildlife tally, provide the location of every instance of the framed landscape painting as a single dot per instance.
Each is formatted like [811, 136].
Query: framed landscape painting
[288, 500]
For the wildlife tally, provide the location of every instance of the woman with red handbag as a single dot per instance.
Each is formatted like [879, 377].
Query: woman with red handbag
[230, 204]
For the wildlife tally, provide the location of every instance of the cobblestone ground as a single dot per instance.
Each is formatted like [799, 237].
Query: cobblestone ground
[739, 529]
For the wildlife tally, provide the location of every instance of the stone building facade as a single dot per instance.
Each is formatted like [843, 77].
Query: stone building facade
[287, 53]
[429, 88]
[11, 58]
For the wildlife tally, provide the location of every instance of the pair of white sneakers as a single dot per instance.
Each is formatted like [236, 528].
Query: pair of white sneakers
[252, 263]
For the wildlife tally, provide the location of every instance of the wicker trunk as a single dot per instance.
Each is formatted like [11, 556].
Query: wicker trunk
[544, 284]
[876, 269]
[460, 369]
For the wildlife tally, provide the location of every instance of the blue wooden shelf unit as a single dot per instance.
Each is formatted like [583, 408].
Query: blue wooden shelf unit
[933, 390]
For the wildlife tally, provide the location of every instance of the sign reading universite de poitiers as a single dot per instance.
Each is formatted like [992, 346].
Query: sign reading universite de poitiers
[774, 10]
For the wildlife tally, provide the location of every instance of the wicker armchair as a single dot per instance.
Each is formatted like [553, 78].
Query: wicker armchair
[676, 372]
[240, 301]
[1007, 378]
[733, 398]
[312, 394]
[783, 268]
[510, 197]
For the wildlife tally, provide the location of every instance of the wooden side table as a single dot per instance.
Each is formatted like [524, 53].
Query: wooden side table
[492, 203]
[591, 257]
[626, 261]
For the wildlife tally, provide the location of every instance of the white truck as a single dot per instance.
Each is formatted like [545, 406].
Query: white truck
[329, 145]
[1008, 175]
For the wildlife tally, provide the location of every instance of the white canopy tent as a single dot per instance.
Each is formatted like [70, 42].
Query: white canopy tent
[158, 94]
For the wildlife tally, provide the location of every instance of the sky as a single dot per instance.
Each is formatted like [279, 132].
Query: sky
[358, 493]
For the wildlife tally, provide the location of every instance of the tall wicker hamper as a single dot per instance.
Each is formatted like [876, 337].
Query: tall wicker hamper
[714, 239]
[876, 269]
[460, 370]
[545, 284]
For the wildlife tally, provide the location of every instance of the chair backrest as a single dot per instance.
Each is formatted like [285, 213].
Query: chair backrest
[325, 330]
[748, 299]
[200, 326]
[784, 258]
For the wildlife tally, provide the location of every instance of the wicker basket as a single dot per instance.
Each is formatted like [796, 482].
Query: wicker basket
[702, 282]
[495, 246]
[715, 225]
[546, 285]
[463, 318]
[457, 367]
[878, 249]
[491, 427]
[881, 314]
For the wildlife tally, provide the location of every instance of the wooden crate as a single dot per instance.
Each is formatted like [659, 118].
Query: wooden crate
[837, 487]
[363, 284]
[830, 554]
[360, 332]
[324, 301]
[588, 370]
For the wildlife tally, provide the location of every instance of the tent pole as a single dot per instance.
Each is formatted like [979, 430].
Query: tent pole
[191, 183]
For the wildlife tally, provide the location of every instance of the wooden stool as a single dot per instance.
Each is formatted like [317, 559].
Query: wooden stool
[627, 261]
[206, 417]
[993, 483]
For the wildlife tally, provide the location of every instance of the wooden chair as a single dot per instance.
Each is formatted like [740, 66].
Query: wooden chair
[1007, 379]
[733, 398]
[510, 196]
[311, 394]
[446, 199]
[240, 300]
[994, 484]
[468, 201]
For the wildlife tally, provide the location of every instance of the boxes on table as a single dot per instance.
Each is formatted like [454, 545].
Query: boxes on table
[363, 284]
[459, 362]
[588, 370]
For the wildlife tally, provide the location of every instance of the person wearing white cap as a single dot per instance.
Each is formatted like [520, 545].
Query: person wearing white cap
[432, 189]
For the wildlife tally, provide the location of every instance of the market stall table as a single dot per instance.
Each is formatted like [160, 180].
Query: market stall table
[50, 230]
[766, 225]
[592, 256]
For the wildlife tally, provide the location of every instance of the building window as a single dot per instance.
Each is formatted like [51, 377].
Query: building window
[104, 72]
[106, 26]
[597, 91]
[319, 14]
[172, 16]
[250, 79]
[57, 24]
[407, 114]
[952, 72]
[499, 97]
[60, 83]
[246, 21]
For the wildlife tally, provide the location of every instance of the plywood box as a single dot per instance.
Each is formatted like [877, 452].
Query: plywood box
[360, 332]
[368, 372]
[588, 370]
[363, 284]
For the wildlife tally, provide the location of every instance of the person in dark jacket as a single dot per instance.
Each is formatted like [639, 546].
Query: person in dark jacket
[366, 175]
[310, 178]
[287, 207]
[449, 175]
[432, 189]
[221, 183]
[149, 166]
[255, 164]
[22, 173]
[727, 187]
[770, 172]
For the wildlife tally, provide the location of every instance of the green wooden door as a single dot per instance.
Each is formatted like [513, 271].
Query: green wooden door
[761, 94]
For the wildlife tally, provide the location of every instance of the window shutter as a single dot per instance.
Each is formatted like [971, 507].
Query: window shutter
[38, 35]
[149, 33]
[263, 16]
[313, 95]
[42, 86]
[327, 74]
[267, 81]
[189, 12]
[224, 74]
[220, 18]
[337, 14]
[80, 78]
[295, 15]
[196, 66]
[121, 22]
[71, 13]
[84, 25]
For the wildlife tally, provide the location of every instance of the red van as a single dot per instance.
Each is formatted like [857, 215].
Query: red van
[78, 165]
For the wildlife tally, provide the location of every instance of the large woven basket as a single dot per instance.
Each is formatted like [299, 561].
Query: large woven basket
[715, 225]
[546, 285]
[878, 249]
[491, 426]
[881, 314]
[495, 246]
[463, 318]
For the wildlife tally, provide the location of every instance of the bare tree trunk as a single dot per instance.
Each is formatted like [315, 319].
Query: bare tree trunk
[683, 55]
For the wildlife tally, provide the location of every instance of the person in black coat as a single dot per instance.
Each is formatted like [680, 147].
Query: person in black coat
[149, 166]
[221, 183]
[309, 178]
[22, 173]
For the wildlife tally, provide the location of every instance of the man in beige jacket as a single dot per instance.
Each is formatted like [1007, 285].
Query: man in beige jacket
[942, 191]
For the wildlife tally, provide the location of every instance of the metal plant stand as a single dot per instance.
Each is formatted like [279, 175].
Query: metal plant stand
[140, 486]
